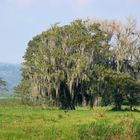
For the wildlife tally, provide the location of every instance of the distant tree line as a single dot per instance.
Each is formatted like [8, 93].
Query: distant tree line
[86, 62]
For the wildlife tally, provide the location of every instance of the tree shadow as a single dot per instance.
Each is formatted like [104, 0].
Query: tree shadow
[124, 110]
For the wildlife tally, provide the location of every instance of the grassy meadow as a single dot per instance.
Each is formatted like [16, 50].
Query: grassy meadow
[21, 122]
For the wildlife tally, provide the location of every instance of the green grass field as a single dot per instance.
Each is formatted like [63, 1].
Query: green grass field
[6, 95]
[20, 122]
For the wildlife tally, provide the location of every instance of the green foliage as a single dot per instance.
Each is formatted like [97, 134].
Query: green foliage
[3, 85]
[58, 60]
[78, 63]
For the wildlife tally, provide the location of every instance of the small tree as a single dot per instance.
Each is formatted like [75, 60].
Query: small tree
[132, 92]
[3, 85]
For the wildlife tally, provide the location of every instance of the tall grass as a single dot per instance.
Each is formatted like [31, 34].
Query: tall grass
[23, 122]
[102, 130]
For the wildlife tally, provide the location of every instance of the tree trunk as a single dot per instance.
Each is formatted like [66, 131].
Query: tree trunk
[65, 98]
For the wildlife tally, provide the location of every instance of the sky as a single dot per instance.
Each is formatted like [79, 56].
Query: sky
[21, 20]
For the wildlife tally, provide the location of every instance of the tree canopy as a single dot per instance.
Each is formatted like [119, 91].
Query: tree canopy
[76, 63]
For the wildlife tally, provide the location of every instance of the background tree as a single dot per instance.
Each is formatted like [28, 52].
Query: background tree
[2, 85]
